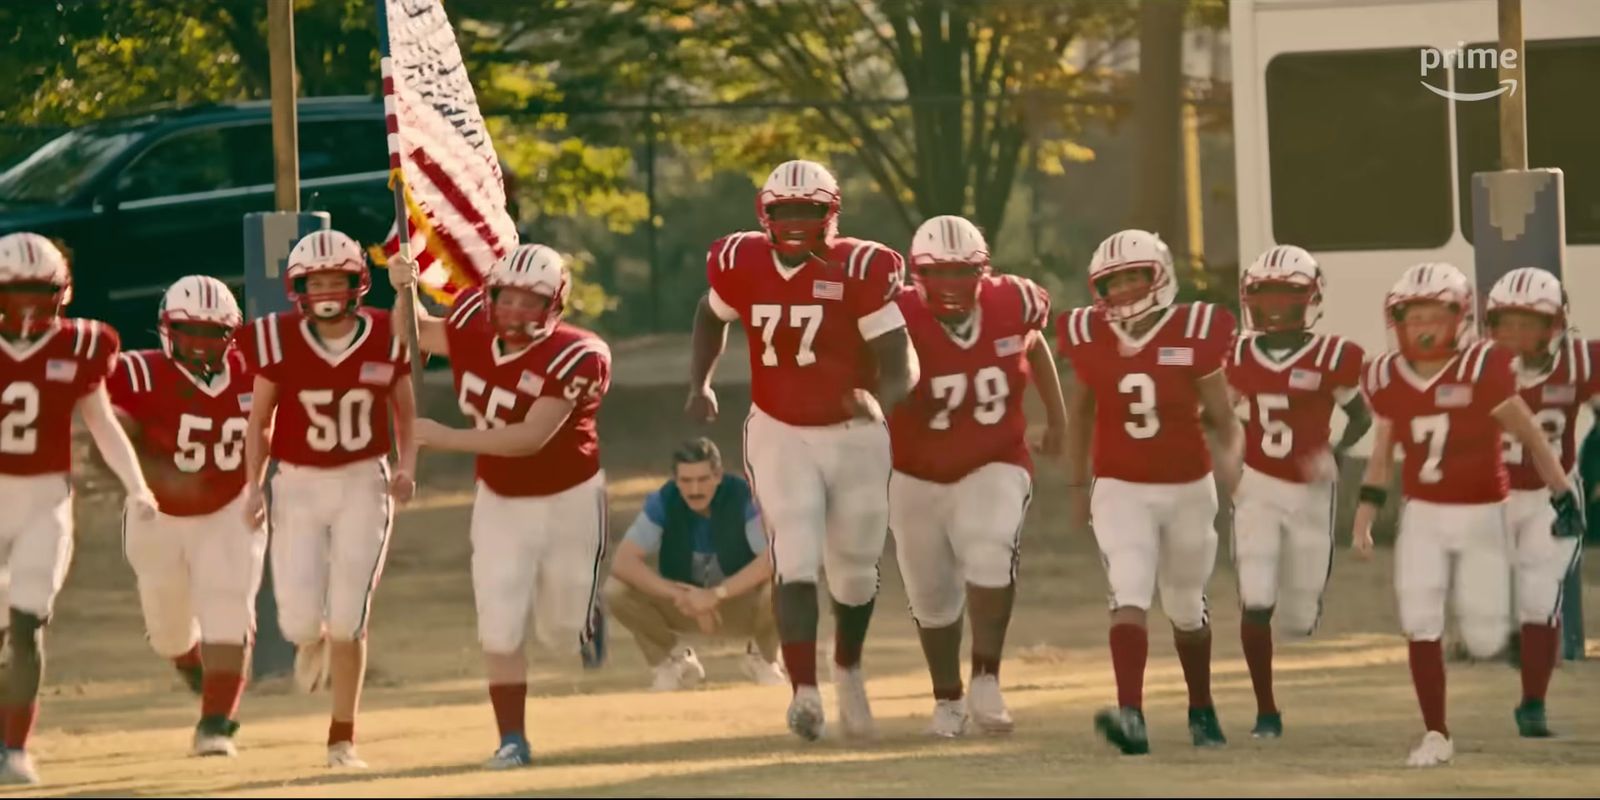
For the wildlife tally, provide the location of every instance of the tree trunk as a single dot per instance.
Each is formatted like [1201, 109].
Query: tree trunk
[1158, 107]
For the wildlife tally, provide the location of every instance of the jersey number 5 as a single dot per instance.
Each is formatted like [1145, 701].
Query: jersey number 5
[767, 317]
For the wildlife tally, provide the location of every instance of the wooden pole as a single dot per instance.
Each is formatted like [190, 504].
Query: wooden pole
[1194, 209]
[285, 136]
[1513, 104]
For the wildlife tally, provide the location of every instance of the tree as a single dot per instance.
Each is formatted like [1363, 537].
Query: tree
[986, 85]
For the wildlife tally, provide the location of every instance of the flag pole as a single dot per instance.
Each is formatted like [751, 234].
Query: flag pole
[407, 310]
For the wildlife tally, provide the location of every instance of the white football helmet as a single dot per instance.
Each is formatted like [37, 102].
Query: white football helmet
[198, 317]
[949, 258]
[1297, 302]
[327, 251]
[1534, 291]
[1435, 282]
[799, 182]
[533, 268]
[1127, 251]
[29, 263]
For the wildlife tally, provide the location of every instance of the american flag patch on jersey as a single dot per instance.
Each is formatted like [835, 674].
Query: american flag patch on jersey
[1305, 379]
[1560, 395]
[377, 373]
[827, 290]
[530, 384]
[60, 370]
[1008, 346]
[1175, 357]
[1453, 395]
[244, 402]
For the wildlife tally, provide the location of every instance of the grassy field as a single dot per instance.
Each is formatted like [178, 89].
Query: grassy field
[116, 722]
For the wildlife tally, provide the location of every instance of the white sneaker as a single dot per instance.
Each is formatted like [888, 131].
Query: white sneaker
[17, 769]
[343, 756]
[763, 672]
[213, 744]
[311, 670]
[667, 676]
[806, 718]
[855, 711]
[691, 672]
[949, 719]
[987, 707]
[1435, 749]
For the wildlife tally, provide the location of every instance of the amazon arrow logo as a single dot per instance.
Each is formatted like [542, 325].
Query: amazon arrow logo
[1462, 58]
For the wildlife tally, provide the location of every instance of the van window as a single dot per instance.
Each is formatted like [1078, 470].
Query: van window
[1358, 152]
[343, 147]
[200, 160]
[1563, 127]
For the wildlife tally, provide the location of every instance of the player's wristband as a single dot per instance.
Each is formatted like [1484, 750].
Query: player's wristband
[1374, 495]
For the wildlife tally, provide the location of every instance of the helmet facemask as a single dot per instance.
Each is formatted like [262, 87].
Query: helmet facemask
[1532, 335]
[1128, 292]
[328, 295]
[28, 307]
[200, 347]
[522, 316]
[1279, 306]
[949, 289]
[797, 226]
[1428, 329]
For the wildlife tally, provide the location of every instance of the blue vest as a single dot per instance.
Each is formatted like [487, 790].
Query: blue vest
[727, 530]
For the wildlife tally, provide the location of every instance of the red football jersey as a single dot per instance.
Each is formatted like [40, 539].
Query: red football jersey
[198, 427]
[1147, 403]
[1554, 399]
[41, 383]
[495, 390]
[807, 327]
[1448, 437]
[1290, 402]
[333, 408]
[966, 410]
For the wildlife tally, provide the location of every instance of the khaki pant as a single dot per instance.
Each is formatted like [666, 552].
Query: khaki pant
[656, 622]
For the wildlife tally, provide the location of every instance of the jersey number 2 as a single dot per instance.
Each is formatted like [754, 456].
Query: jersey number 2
[767, 317]
[21, 404]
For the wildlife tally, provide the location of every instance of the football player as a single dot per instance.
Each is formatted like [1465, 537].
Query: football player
[962, 472]
[828, 356]
[1288, 379]
[50, 365]
[1444, 398]
[531, 384]
[1557, 372]
[1148, 372]
[198, 563]
[332, 372]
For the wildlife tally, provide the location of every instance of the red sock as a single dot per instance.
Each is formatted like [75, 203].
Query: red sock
[510, 701]
[1194, 653]
[219, 694]
[1256, 638]
[1427, 675]
[341, 732]
[1130, 648]
[800, 659]
[189, 660]
[1539, 643]
[19, 724]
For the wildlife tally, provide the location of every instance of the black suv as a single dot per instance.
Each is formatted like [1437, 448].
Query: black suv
[142, 201]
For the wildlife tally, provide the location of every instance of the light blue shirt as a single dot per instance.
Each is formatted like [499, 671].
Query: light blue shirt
[646, 530]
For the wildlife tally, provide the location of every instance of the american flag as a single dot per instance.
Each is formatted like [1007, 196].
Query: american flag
[60, 370]
[439, 150]
[377, 373]
[1175, 357]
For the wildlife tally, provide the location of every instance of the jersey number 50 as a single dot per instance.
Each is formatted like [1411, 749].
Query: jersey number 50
[350, 427]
